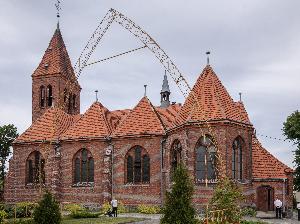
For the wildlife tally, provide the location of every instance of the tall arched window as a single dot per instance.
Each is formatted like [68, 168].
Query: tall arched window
[49, 95]
[74, 102]
[83, 167]
[205, 160]
[35, 165]
[175, 155]
[70, 103]
[42, 96]
[237, 158]
[137, 166]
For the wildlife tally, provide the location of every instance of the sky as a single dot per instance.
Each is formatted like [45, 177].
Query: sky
[254, 45]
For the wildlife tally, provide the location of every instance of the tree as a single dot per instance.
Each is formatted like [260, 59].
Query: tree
[227, 196]
[47, 211]
[178, 208]
[8, 133]
[291, 129]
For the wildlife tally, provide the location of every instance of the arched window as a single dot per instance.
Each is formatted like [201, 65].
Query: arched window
[49, 95]
[74, 102]
[205, 160]
[137, 166]
[65, 95]
[42, 96]
[175, 155]
[83, 167]
[35, 165]
[70, 103]
[237, 158]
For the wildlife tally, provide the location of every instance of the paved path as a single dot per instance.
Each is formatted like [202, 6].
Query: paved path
[154, 219]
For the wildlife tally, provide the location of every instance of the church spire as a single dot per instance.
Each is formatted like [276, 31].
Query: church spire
[165, 93]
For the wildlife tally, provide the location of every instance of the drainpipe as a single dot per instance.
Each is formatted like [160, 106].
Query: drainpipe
[162, 174]
[283, 194]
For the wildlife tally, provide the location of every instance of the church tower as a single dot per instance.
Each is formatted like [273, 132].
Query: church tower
[165, 93]
[54, 83]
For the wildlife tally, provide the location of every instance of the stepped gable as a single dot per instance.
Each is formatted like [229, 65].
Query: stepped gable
[142, 120]
[51, 125]
[96, 122]
[265, 165]
[214, 101]
[56, 59]
[168, 114]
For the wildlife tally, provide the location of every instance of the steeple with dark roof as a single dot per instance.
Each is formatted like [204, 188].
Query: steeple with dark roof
[54, 82]
[165, 93]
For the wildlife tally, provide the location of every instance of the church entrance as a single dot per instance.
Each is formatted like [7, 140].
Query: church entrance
[265, 198]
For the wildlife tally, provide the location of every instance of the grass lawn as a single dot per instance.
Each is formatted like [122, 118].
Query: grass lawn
[102, 220]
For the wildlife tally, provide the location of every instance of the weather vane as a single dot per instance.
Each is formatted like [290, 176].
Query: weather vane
[58, 8]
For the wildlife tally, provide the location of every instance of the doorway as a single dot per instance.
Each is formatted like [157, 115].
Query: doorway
[265, 198]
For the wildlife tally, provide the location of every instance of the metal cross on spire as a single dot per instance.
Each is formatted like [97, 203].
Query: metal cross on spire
[58, 8]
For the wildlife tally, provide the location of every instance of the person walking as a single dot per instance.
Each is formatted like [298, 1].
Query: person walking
[278, 206]
[114, 205]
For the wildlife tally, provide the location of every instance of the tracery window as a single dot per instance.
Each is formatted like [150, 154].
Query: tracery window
[74, 102]
[175, 155]
[137, 166]
[49, 95]
[83, 167]
[42, 96]
[205, 160]
[237, 158]
[35, 165]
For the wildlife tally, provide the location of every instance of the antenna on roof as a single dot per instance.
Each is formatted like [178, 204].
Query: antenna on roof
[207, 53]
[240, 96]
[145, 86]
[58, 8]
[96, 91]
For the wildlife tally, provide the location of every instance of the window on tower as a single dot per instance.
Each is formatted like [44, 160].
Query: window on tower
[83, 166]
[35, 164]
[42, 96]
[74, 102]
[137, 166]
[49, 96]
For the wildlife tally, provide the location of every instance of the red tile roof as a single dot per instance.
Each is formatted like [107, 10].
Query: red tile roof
[265, 165]
[143, 119]
[56, 59]
[96, 122]
[168, 114]
[214, 101]
[53, 123]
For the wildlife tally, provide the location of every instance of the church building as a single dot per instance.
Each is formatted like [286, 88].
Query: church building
[131, 154]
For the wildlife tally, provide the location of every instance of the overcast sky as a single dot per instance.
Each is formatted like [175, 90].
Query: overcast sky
[255, 49]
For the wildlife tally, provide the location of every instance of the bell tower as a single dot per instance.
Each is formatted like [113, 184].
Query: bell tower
[165, 93]
[54, 83]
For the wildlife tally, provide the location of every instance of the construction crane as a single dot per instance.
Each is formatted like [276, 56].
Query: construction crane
[114, 16]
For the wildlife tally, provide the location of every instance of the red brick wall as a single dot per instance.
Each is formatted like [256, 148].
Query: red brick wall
[58, 83]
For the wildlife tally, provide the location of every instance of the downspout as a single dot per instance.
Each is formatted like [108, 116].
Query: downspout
[162, 175]
[283, 194]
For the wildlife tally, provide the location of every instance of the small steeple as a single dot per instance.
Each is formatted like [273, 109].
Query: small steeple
[165, 93]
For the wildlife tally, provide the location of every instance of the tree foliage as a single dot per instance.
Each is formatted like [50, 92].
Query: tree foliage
[291, 129]
[178, 208]
[8, 133]
[47, 211]
[227, 196]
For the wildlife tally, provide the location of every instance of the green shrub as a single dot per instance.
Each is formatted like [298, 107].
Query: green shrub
[73, 208]
[85, 214]
[248, 211]
[25, 209]
[47, 211]
[3, 215]
[20, 221]
[148, 209]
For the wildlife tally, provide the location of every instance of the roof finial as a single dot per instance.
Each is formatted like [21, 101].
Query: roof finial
[240, 96]
[58, 8]
[207, 53]
[145, 86]
[96, 91]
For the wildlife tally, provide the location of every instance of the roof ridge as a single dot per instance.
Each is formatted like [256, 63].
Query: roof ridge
[157, 115]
